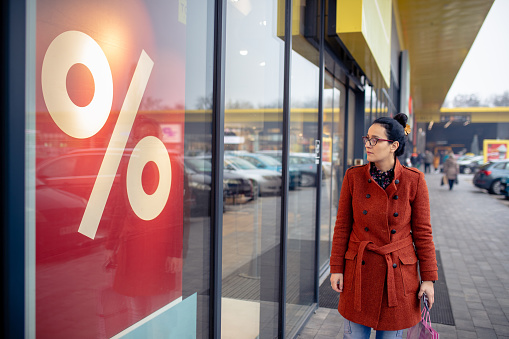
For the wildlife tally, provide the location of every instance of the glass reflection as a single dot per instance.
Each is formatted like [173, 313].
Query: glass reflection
[333, 141]
[133, 267]
[302, 202]
[252, 143]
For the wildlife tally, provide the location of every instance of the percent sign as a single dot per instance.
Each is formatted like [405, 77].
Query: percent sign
[73, 47]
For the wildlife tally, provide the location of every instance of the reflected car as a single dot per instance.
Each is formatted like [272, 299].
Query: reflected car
[489, 176]
[470, 165]
[272, 163]
[198, 198]
[263, 181]
[74, 172]
[305, 162]
[236, 189]
[59, 236]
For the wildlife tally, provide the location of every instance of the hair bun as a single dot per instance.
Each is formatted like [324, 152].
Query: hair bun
[402, 118]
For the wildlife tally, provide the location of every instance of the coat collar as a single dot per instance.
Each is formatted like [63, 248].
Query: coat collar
[391, 189]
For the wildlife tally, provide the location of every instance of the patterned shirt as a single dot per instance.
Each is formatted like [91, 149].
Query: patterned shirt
[383, 179]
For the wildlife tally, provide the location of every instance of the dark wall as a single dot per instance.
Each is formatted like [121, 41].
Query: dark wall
[457, 133]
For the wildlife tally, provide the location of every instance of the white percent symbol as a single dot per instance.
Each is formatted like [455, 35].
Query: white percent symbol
[73, 47]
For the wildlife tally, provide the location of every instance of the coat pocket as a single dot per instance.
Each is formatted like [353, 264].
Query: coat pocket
[409, 274]
[349, 272]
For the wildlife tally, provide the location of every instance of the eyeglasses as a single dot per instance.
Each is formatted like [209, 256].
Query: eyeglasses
[373, 141]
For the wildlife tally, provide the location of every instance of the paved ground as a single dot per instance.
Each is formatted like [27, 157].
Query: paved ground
[471, 231]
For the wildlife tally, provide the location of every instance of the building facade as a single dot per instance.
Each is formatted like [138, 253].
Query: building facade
[172, 168]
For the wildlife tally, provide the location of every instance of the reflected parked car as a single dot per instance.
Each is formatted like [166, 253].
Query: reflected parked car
[271, 163]
[263, 181]
[489, 176]
[236, 189]
[304, 163]
[470, 165]
[60, 235]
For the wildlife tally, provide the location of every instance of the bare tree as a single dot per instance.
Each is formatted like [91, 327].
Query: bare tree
[501, 99]
[467, 100]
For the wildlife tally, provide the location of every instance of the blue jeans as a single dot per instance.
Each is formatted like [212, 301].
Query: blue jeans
[356, 331]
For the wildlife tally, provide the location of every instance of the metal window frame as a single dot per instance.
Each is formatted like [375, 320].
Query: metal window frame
[216, 236]
[285, 170]
[13, 168]
[321, 44]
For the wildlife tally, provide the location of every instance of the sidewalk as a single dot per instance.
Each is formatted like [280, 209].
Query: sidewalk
[471, 231]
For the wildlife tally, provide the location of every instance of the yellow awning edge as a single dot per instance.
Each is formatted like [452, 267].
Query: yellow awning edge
[364, 27]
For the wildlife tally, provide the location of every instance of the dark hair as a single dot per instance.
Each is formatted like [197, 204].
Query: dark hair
[395, 129]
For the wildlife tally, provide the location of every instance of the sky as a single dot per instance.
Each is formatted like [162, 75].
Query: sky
[485, 70]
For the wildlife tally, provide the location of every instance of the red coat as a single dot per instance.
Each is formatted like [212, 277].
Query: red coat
[373, 245]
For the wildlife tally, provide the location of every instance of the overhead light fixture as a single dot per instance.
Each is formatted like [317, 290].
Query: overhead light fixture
[448, 123]
[262, 63]
[430, 126]
[243, 52]
[466, 122]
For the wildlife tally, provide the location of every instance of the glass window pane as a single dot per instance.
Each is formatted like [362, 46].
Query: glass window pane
[333, 153]
[121, 225]
[302, 201]
[253, 131]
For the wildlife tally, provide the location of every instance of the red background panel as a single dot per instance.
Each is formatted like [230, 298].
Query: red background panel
[91, 288]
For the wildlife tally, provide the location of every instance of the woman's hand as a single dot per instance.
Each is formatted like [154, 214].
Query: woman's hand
[336, 281]
[428, 288]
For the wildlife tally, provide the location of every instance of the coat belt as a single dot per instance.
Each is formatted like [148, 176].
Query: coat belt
[386, 251]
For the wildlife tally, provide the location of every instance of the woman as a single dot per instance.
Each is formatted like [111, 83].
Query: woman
[383, 213]
[451, 170]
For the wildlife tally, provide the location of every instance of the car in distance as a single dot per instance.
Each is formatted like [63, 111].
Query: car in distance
[490, 175]
[470, 165]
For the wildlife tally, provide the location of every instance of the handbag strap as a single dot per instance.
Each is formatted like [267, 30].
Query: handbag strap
[426, 317]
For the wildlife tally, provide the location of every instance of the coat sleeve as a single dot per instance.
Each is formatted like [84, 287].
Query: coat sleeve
[342, 228]
[422, 233]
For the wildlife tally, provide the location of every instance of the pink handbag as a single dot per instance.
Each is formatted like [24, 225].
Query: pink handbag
[423, 329]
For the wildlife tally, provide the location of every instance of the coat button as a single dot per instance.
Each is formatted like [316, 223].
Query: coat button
[396, 181]
[369, 180]
[364, 212]
[395, 197]
[363, 262]
[366, 229]
[368, 196]
[396, 214]
[393, 231]
[394, 265]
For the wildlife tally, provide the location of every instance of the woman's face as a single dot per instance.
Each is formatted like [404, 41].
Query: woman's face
[383, 150]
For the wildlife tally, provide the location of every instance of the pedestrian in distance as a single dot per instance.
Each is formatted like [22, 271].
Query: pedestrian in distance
[428, 160]
[451, 170]
[381, 237]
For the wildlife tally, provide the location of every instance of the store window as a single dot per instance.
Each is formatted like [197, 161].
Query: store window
[302, 201]
[118, 98]
[252, 170]
[333, 156]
